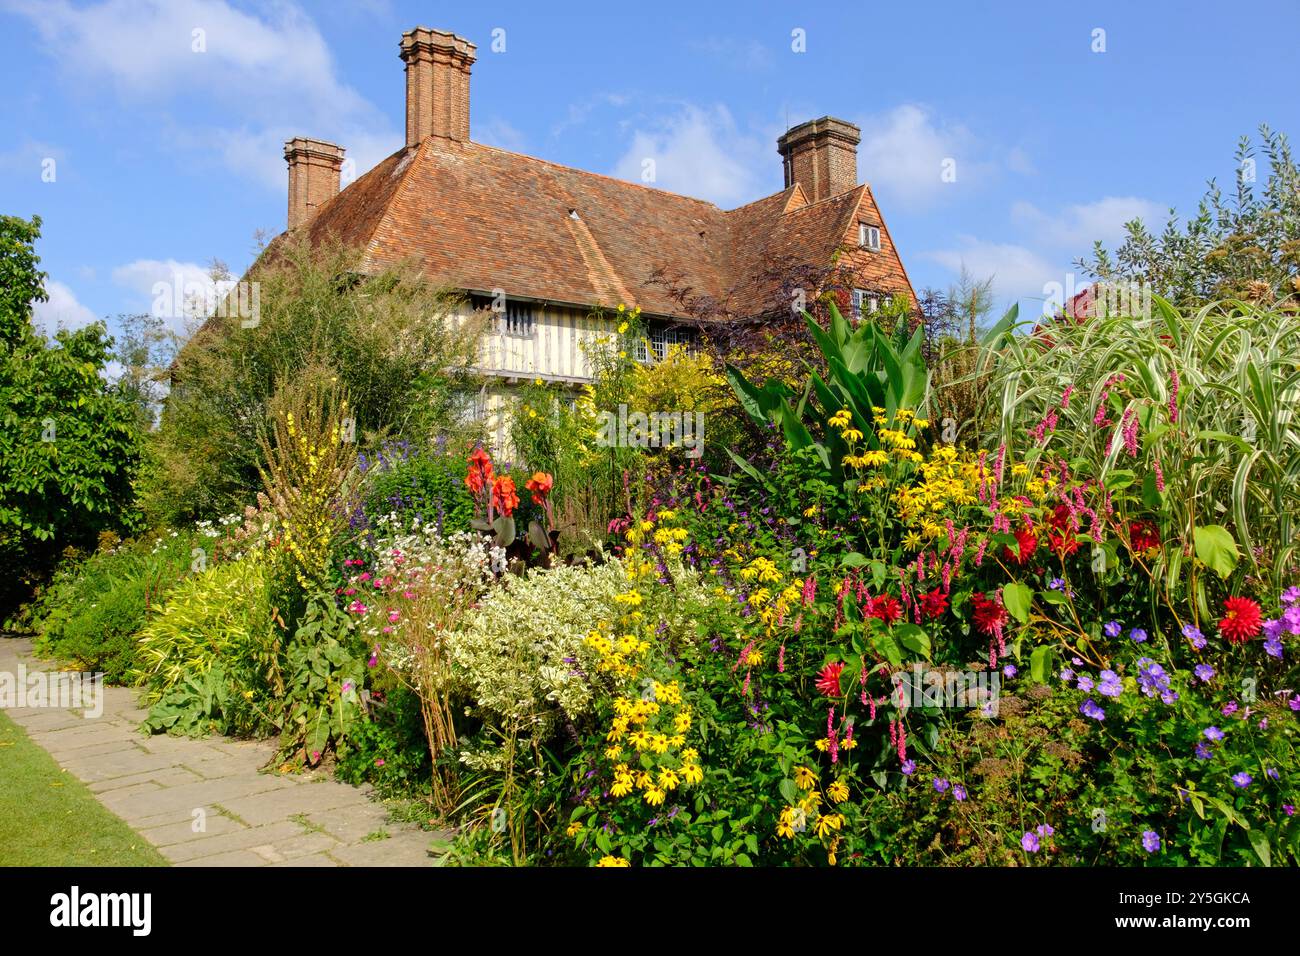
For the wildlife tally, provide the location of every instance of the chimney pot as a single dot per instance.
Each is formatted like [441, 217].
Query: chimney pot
[315, 168]
[437, 84]
[821, 156]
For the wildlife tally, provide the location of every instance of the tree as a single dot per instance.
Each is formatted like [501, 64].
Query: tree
[389, 338]
[1245, 248]
[69, 439]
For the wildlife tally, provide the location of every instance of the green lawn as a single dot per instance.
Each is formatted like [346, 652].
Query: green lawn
[49, 818]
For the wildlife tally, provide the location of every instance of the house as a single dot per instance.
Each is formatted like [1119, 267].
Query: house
[549, 247]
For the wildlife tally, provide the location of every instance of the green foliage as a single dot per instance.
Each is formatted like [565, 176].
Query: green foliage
[1209, 398]
[92, 610]
[206, 659]
[867, 368]
[322, 680]
[428, 483]
[389, 750]
[68, 439]
[389, 339]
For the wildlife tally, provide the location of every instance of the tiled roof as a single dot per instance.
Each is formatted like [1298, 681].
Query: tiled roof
[480, 218]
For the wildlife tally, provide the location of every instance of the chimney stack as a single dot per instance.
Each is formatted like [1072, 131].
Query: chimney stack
[437, 84]
[315, 168]
[821, 156]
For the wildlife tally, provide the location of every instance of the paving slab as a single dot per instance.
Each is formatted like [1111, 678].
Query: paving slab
[249, 817]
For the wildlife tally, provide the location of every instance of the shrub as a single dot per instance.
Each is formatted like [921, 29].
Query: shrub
[412, 482]
[206, 658]
[92, 610]
[389, 338]
[415, 590]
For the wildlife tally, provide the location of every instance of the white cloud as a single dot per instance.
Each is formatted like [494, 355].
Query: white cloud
[173, 291]
[904, 154]
[1017, 271]
[61, 311]
[698, 152]
[578, 113]
[497, 132]
[272, 69]
[1077, 227]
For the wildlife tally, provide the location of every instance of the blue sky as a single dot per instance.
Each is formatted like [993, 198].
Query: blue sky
[164, 157]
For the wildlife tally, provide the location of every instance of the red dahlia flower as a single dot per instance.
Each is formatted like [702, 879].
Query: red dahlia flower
[828, 680]
[1144, 536]
[990, 616]
[1241, 620]
[1026, 545]
[884, 608]
[934, 604]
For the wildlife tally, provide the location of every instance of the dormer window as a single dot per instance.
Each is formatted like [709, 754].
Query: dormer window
[869, 237]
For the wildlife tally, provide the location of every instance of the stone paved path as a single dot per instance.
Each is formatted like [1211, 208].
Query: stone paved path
[157, 783]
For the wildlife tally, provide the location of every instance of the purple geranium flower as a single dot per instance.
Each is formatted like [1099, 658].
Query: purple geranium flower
[1110, 684]
[1150, 841]
[1290, 596]
[1213, 733]
[1029, 842]
[1056, 584]
[1045, 830]
[1009, 671]
[1089, 708]
[909, 767]
[1271, 773]
[1113, 629]
[940, 784]
[1203, 752]
[1137, 635]
[1203, 672]
[958, 792]
[1085, 683]
[1194, 635]
[1241, 780]
[1273, 647]
[1229, 708]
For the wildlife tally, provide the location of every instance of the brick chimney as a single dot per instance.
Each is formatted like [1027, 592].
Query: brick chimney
[315, 167]
[437, 84]
[821, 156]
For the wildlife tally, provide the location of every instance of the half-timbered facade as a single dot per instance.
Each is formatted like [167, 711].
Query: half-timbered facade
[549, 250]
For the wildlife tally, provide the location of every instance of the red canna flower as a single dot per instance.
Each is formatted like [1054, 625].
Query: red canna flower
[990, 616]
[884, 608]
[540, 485]
[480, 471]
[504, 497]
[1241, 620]
[828, 680]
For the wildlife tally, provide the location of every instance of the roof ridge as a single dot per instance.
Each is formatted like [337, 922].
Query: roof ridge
[588, 172]
[755, 202]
